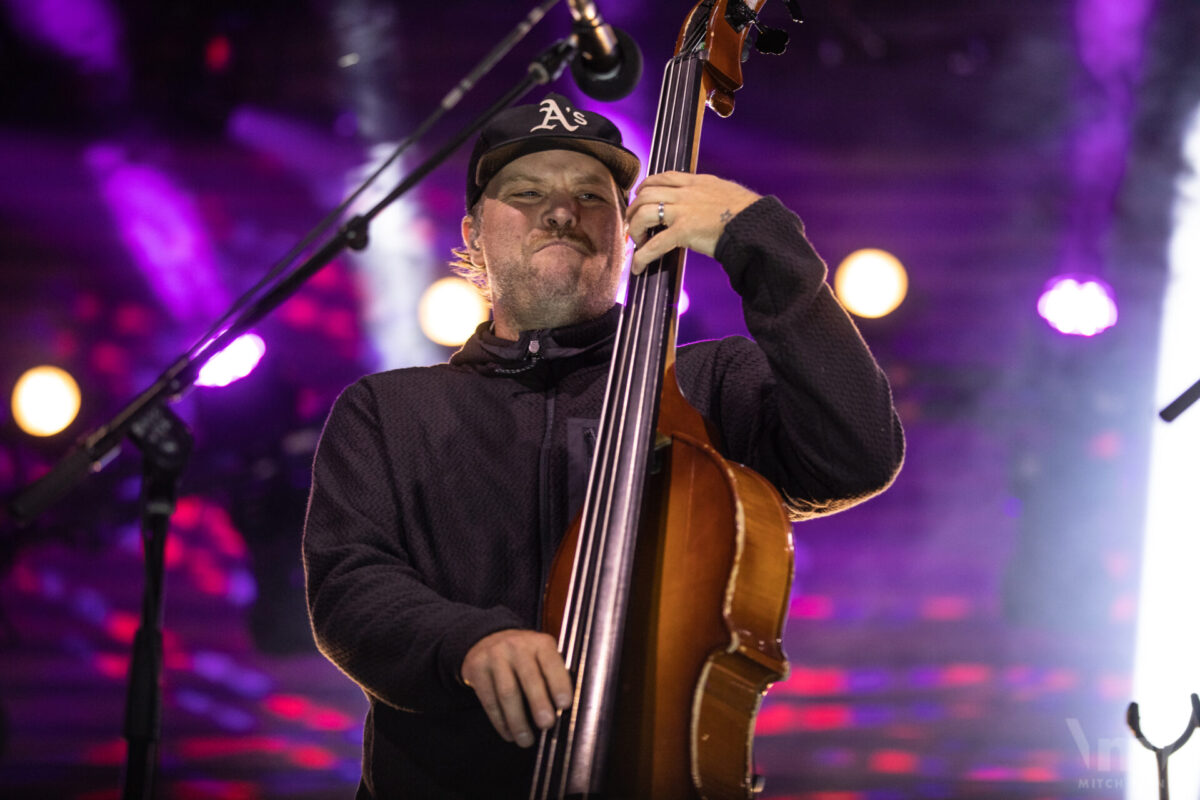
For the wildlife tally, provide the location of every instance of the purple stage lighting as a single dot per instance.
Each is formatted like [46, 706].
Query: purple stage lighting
[1078, 305]
[164, 231]
[86, 31]
[234, 362]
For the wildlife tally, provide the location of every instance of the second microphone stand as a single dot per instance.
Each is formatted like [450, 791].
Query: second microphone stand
[166, 443]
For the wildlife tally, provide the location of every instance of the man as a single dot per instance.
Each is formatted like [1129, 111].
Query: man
[440, 493]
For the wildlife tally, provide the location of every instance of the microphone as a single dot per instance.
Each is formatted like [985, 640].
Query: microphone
[608, 63]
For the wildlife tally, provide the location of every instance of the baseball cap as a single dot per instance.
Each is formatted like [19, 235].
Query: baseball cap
[553, 124]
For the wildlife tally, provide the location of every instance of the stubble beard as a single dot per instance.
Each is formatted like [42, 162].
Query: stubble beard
[535, 300]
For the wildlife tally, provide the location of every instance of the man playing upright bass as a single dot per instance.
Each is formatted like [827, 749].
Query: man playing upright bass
[440, 493]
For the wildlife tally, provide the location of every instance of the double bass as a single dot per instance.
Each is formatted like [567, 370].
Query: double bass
[669, 594]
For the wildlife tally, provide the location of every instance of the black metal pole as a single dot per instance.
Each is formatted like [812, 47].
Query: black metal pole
[1181, 403]
[166, 444]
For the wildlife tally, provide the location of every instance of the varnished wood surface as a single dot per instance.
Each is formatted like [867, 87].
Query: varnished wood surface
[711, 580]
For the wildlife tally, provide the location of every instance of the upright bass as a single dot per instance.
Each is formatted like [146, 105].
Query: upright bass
[669, 594]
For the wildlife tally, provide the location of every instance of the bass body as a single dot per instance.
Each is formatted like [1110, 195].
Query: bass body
[711, 581]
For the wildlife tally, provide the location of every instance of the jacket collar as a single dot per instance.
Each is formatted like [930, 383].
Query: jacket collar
[487, 352]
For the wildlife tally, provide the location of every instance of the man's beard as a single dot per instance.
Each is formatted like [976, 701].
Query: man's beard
[535, 300]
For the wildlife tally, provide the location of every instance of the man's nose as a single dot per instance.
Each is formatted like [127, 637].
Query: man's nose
[561, 211]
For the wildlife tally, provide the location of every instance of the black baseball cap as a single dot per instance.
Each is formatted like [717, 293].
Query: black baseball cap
[553, 124]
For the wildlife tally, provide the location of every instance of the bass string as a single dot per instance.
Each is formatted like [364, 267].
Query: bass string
[674, 135]
[633, 372]
[673, 130]
[615, 427]
[649, 293]
[698, 27]
[600, 481]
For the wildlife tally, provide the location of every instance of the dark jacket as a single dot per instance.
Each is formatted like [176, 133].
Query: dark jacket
[440, 493]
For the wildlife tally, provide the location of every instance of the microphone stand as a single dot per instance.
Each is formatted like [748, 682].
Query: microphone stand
[1161, 754]
[1180, 404]
[166, 442]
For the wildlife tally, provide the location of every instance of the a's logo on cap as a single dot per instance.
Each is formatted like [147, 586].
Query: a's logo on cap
[552, 116]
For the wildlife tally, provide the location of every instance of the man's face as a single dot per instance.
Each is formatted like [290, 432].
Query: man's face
[551, 235]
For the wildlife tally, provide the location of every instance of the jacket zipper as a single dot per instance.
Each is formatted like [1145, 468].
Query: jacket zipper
[533, 354]
[545, 534]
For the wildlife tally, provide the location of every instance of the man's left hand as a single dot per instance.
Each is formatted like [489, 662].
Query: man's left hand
[695, 211]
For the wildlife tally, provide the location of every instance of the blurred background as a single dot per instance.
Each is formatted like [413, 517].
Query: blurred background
[976, 632]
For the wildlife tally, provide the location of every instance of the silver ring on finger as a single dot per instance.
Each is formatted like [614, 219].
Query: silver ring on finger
[661, 214]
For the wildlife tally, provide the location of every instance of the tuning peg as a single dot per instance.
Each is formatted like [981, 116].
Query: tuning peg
[793, 7]
[739, 15]
[771, 41]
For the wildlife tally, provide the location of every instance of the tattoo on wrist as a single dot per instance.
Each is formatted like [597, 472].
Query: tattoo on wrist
[725, 217]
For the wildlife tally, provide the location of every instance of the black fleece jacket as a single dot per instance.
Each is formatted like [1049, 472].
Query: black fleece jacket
[439, 493]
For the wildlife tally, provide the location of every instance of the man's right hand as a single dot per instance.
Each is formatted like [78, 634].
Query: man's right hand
[513, 668]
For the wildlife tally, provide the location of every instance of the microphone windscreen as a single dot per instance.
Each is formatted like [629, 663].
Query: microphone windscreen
[616, 83]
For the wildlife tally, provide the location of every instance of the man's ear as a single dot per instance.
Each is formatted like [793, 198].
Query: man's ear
[470, 237]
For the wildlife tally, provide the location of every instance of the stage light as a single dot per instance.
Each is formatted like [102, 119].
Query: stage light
[1078, 305]
[233, 363]
[88, 32]
[218, 53]
[1167, 653]
[45, 401]
[450, 310]
[163, 228]
[871, 283]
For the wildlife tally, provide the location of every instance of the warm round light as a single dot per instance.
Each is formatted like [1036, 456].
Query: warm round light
[45, 401]
[450, 310]
[871, 283]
